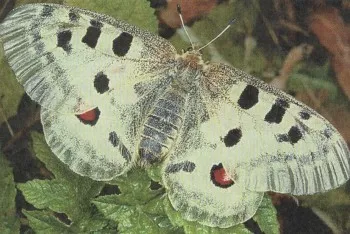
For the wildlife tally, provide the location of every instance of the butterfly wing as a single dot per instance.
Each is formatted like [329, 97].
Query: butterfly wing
[198, 187]
[68, 57]
[258, 139]
[271, 141]
[95, 77]
[195, 180]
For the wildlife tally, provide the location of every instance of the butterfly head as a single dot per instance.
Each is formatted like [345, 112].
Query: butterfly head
[192, 59]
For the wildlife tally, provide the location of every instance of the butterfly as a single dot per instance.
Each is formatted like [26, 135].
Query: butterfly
[114, 96]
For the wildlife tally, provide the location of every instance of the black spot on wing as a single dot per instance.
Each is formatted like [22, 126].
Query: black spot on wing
[73, 16]
[63, 40]
[328, 133]
[47, 11]
[185, 166]
[173, 168]
[293, 136]
[249, 97]
[188, 166]
[101, 83]
[122, 43]
[277, 111]
[92, 34]
[232, 137]
[113, 138]
[125, 152]
[115, 141]
[96, 23]
[304, 115]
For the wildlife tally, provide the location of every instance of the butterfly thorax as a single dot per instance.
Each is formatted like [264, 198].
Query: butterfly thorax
[188, 71]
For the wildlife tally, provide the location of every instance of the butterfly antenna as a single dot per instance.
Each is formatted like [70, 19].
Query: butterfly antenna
[222, 32]
[183, 24]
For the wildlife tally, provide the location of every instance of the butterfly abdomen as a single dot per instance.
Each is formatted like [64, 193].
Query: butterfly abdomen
[161, 127]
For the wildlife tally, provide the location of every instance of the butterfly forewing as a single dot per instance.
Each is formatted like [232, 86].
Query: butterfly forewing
[58, 53]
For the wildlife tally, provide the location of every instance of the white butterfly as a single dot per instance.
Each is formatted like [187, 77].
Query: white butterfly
[112, 95]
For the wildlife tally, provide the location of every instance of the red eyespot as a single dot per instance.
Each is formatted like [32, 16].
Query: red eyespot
[219, 177]
[90, 117]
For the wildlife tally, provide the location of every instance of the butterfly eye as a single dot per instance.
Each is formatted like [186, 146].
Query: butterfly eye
[219, 177]
[189, 49]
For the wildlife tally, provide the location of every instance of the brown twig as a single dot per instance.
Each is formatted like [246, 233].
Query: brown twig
[293, 27]
[18, 135]
[5, 6]
[336, 40]
[294, 56]
[3, 115]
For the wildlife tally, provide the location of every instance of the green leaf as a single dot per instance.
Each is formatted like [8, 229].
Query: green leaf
[266, 216]
[10, 90]
[68, 193]
[140, 14]
[48, 222]
[45, 222]
[130, 218]
[138, 209]
[154, 172]
[9, 223]
[44, 154]
[22, 2]
[137, 184]
[303, 82]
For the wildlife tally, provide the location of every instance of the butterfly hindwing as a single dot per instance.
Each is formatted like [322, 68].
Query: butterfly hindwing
[77, 141]
[199, 188]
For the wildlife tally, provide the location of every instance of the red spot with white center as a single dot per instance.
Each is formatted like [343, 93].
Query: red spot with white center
[90, 117]
[219, 177]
